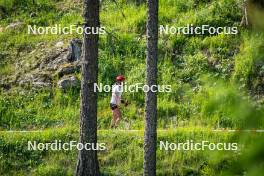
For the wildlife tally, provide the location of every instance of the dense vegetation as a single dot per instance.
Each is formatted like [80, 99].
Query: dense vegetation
[124, 154]
[217, 82]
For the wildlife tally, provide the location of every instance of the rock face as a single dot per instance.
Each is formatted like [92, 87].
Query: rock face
[68, 82]
[68, 69]
[54, 60]
[37, 80]
[59, 44]
[75, 50]
[41, 85]
[51, 64]
[13, 26]
[59, 57]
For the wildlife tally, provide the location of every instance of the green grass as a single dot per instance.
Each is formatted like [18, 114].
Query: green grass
[249, 60]
[124, 154]
[183, 63]
[215, 81]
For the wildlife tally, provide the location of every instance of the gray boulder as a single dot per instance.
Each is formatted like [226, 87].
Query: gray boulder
[68, 69]
[53, 60]
[39, 85]
[74, 50]
[13, 26]
[68, 82]
[36, 80]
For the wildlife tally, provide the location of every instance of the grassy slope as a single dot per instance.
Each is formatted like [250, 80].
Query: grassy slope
[197, 99]
[187, 63]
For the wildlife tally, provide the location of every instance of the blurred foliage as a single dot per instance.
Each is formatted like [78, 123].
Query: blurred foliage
[217, 82]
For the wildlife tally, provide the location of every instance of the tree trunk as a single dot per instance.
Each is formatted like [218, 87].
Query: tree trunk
[87, 164]
[150, 134]
[244, 21]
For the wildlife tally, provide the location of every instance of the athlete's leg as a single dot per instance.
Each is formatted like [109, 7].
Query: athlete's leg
[113, 121]
[117, 116]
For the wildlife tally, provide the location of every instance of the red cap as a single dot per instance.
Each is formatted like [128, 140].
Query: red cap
[120, 78]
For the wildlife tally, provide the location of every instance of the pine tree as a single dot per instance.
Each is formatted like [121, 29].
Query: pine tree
[87, 164]
[150, 135]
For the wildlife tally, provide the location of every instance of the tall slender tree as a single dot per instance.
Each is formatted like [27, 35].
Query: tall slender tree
[150, 135]
[87, 164]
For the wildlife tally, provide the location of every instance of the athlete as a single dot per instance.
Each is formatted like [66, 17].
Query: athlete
[116, 100]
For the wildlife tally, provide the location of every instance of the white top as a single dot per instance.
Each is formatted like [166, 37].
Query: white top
[116, 94]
